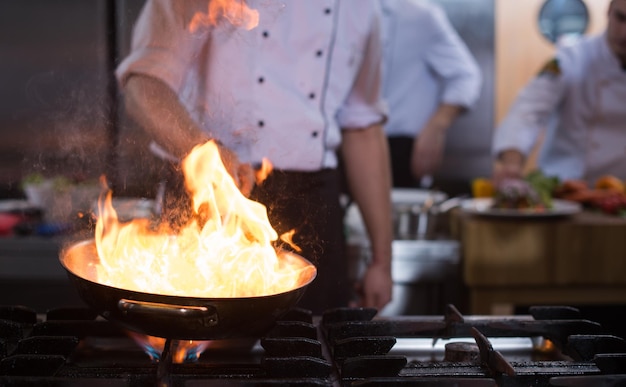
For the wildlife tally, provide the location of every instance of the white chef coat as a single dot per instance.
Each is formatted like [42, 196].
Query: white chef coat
[281, 91]
[582, 105]
[426, 64]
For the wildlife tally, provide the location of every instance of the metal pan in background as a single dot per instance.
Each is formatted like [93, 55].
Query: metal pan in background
[415, 212]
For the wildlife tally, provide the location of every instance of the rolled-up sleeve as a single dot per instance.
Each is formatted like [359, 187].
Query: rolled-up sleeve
[365, 105]
[162, 44]
[452, 61]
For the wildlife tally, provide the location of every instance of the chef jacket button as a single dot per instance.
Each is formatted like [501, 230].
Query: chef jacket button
[319, 53]
[314, 134]
[266, 34]
[327, 11]
[312, 96]
[261, 123]
[261, 79]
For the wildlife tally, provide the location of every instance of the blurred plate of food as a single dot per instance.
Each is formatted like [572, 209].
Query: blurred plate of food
[531, 196]
[488, 206]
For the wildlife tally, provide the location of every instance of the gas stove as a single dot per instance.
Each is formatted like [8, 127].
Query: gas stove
[550, 346]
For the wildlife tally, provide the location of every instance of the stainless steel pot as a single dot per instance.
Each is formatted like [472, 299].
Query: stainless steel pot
[416, 212]
[425, 276]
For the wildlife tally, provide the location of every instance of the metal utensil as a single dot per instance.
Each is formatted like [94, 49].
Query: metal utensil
[422, 225]
[426, 181]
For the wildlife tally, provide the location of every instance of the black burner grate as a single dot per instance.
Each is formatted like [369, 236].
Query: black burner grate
[344, 347]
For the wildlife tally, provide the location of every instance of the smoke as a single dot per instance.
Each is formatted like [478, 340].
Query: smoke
[68, 125]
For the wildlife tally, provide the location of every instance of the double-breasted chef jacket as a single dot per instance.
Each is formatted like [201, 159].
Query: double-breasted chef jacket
[239, 84]
[580, 99]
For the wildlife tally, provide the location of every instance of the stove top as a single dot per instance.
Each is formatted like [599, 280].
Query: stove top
[551, 346]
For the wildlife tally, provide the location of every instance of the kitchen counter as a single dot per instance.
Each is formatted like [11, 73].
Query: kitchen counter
[30, 258]
[573, 260]
[31, 274]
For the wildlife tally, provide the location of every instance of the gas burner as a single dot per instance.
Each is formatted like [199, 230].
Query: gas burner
[552, 346]
[458, 351]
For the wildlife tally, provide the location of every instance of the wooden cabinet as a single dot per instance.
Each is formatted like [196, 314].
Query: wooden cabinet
[578, 260]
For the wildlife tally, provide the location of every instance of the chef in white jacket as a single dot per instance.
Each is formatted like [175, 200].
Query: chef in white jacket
[430, 77]
[298, 89]
[579, 98]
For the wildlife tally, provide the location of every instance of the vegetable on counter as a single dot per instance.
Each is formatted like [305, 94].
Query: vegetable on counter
[536, 191]
[533, 192]
[607, 195]
[545, 186]
[482, 188]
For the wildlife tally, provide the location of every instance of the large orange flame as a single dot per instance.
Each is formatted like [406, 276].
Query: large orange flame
[234, 11]
[225, 250]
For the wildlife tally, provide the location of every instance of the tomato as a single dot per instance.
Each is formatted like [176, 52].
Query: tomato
[611, 204]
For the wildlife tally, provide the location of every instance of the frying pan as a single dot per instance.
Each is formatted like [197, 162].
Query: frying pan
[179, 317]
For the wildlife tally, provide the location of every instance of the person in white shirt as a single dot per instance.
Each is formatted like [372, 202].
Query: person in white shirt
[298, 89]
[579, 100]
[430, 78]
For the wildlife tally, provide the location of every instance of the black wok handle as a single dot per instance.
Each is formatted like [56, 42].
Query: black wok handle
[207, 313]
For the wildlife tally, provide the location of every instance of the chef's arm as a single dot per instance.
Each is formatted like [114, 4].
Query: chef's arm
[428, 146]
[444, 116]
[366, 159]
[521, 129]
[155, 106]
[460, 78]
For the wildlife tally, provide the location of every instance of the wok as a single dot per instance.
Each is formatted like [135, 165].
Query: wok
[178, 317]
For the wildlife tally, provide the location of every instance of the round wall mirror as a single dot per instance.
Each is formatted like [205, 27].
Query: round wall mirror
[563, 19]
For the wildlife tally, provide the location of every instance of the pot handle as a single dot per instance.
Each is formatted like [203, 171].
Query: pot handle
[207, 314]
[451, 203]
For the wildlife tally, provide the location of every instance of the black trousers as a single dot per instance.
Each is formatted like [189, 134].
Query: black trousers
[308, 202]
[400, 149]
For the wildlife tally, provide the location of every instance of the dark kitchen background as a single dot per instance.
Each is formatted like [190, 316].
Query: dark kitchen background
[54, 113]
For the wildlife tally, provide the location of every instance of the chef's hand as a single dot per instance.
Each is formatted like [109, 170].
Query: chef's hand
[376, 287]
[428, 147]
[242, 173]
[427, 151]
[509, 165]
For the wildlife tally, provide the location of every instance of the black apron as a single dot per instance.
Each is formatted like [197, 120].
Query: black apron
[308, 202]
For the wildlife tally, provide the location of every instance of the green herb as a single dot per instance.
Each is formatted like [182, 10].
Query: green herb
[543, 185]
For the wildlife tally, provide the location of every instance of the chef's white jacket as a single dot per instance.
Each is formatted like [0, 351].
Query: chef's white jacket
[582, 105]
[426, 63]
[281, 91]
